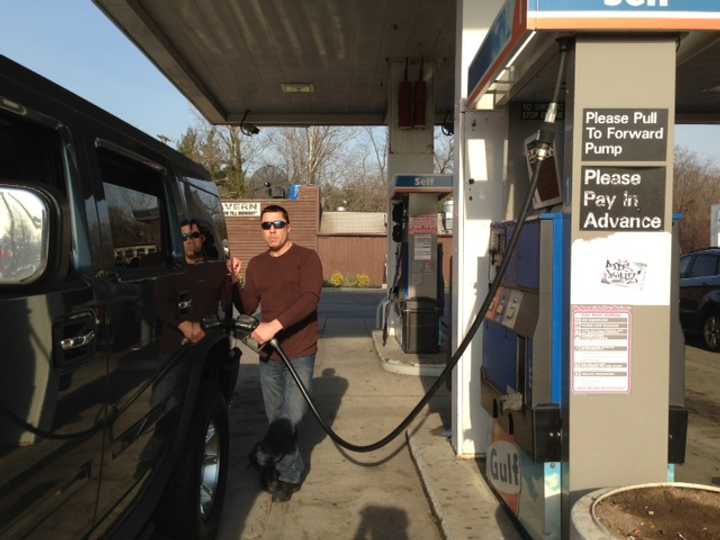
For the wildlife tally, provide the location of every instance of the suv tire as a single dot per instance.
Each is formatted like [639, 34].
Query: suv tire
[194, 497]
[711, 331]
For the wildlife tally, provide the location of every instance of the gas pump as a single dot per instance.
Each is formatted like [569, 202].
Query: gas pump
[416, 291]
[527, 373]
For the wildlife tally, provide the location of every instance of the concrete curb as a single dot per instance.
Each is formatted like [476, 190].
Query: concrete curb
[399, 367]
[462, 502]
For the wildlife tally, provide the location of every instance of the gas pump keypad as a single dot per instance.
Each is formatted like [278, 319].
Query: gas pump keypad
[515, 309]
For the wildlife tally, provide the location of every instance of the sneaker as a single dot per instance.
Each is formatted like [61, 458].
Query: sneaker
[284, 491]
[269, 479]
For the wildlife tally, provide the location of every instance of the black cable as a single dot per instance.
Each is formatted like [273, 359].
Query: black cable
[6, 412]
[545, 139]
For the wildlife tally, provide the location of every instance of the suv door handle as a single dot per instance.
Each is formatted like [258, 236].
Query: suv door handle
[68, 344]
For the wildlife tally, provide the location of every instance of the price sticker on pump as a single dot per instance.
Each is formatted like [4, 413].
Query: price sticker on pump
[600, 349]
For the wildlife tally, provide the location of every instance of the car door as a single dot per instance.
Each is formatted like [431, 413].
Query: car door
[701, 279]
[147, 378]
[52, 371]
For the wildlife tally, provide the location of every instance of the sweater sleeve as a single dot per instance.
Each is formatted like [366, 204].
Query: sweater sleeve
[311, 280]
[247, 299]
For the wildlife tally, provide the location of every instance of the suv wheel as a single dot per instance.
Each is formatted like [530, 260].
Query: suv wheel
[194, 497]
[711, 331]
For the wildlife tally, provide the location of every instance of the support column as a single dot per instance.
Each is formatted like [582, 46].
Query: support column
[621, 262]
[410, 151]
[479, 174]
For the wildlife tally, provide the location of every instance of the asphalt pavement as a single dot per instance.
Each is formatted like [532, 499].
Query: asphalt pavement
[345, 496]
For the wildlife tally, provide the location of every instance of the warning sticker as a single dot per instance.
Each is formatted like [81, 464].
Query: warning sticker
[426, 224]
[601, 349]
[423, 247]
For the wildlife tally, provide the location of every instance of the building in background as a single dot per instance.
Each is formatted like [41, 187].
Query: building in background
[349, 243]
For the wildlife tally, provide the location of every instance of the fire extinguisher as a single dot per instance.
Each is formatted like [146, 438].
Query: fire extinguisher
[419, 104]
[405, 119]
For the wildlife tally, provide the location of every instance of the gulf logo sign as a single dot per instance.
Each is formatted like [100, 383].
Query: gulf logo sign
[503, 467]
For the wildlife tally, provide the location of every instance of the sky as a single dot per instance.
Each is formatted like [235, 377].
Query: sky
[73, 44]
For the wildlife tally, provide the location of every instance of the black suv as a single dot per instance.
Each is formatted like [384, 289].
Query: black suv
[112, 424]
[700, 295]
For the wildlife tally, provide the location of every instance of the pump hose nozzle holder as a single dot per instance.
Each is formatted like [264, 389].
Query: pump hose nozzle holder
[546, 138]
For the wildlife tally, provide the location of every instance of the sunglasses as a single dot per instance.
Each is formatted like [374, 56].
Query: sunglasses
[278, 224]
[191, 236]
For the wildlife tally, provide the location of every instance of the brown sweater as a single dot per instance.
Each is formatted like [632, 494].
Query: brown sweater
[287, 288]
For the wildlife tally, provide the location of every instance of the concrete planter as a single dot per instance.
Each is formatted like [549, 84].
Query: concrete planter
[584, 524]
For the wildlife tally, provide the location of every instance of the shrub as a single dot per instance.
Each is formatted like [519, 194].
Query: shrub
[337, 280]
[362, 281]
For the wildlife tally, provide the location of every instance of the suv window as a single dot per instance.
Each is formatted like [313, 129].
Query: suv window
[685, 265]
[704, 265]
[205, 208]
[30, 152]
[134, 195]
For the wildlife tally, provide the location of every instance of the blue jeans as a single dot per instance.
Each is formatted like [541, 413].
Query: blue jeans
[285, 406]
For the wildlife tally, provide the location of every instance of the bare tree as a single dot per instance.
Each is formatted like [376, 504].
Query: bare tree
[696, 188]
[226, 153]
[444, 155]
[310, 155]
[378, 142]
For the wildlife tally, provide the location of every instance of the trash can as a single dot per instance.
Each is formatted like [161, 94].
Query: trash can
[419, 325]
[294, 192]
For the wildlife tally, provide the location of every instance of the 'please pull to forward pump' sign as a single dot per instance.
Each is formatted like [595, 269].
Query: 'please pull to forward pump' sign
[624, 134]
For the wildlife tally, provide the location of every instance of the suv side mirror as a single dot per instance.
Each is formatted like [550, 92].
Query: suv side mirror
[24, 235]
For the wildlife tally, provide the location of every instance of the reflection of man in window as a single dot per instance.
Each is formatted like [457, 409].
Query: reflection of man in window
[193, 241]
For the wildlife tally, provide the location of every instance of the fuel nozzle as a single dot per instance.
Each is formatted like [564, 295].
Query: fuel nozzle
[241, 327]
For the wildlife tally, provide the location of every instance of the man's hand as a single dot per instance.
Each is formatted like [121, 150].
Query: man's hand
[234, 266]
[198, 333]
[266, 331]
[192, 331]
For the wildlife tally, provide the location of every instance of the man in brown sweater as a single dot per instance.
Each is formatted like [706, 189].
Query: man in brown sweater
[285, 281]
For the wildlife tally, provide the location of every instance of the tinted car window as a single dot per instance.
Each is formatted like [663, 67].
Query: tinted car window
[704, 265]
[134, 197]
[685, 265]
[205, 208]
[29, 152]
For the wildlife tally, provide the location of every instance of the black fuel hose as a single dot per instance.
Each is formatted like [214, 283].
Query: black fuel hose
[545, 139]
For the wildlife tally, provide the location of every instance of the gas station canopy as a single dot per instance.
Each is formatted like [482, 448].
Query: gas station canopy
[517, 59]
[288, 62]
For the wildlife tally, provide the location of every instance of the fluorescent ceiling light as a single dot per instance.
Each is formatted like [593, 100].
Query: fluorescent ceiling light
[711, 90]
[297, 88]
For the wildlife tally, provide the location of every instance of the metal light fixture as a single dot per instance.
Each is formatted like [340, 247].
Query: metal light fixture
[297, 88]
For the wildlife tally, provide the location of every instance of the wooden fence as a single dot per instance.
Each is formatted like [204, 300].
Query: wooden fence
[352, 254]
